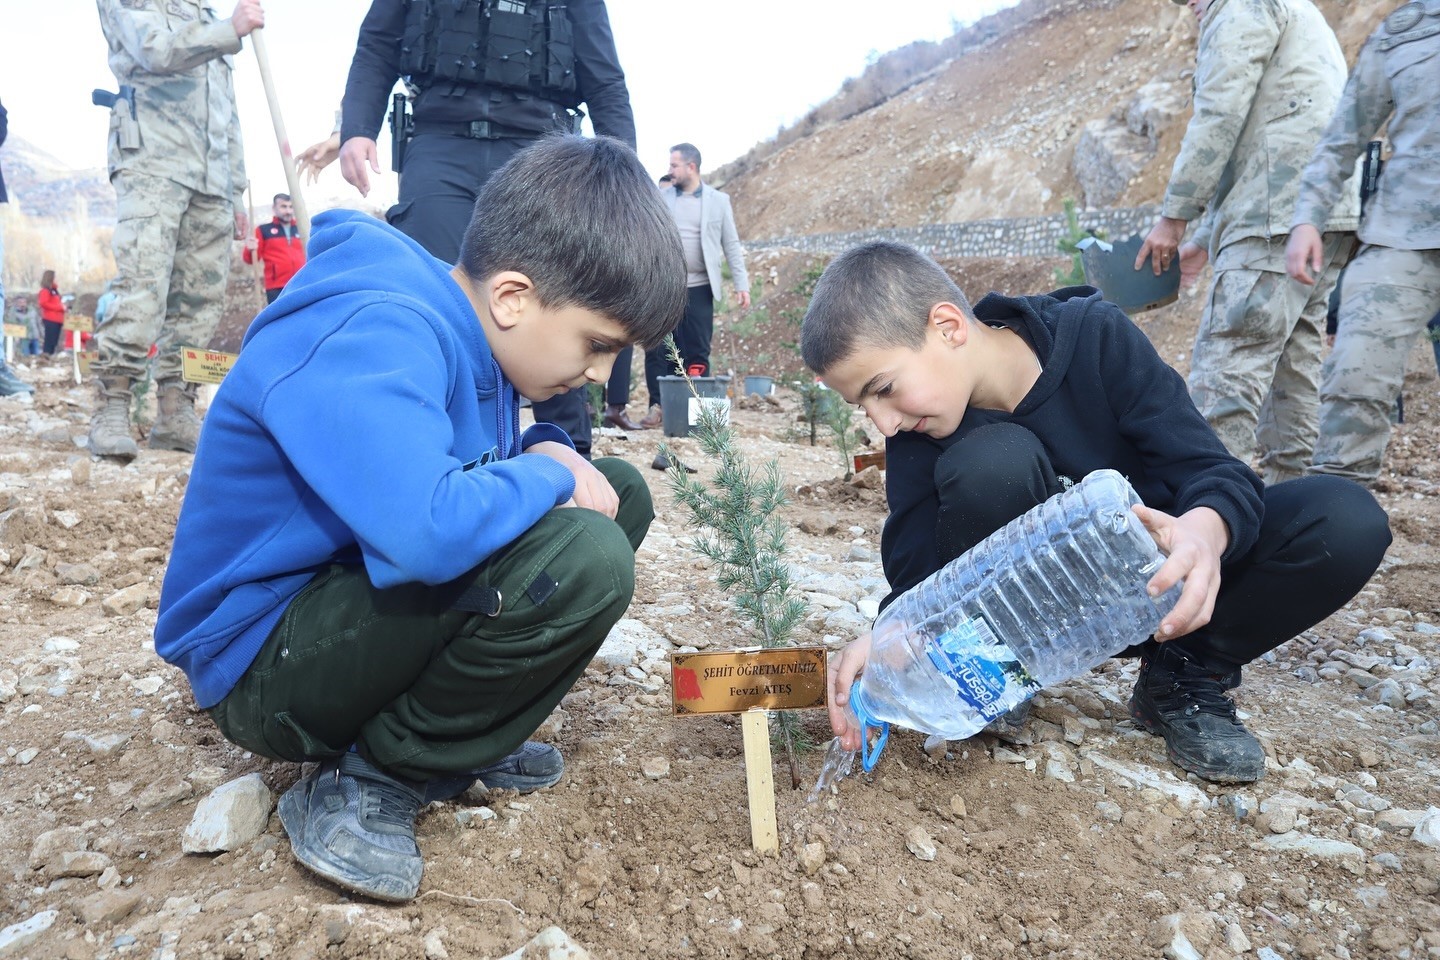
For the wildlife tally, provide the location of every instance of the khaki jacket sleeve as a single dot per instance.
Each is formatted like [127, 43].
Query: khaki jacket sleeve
[1234, 48]
[1204, 230]
[239, 181]
[1364, 106]
[141, 29]
[734, 253]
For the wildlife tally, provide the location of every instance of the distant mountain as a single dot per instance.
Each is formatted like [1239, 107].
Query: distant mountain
[58, 218]
[42, 186]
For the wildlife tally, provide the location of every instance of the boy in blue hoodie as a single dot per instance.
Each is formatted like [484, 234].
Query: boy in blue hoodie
[372, 568]
[987, 410]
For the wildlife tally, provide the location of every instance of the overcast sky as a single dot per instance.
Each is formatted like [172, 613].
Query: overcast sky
[723, 76]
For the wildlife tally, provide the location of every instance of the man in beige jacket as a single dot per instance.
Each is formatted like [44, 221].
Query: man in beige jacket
[707, 234]
[1268, 75]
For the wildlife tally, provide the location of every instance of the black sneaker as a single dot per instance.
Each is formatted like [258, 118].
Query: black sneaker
[1010, 726]
[1179, 700]
[534, 766]
[355, 826]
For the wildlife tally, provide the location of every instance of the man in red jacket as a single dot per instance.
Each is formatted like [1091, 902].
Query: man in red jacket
[279, 245]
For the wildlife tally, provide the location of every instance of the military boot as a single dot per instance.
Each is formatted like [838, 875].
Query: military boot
[110, 434]
[176, 427]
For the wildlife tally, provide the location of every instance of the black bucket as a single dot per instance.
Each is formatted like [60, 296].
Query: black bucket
[1111, 269]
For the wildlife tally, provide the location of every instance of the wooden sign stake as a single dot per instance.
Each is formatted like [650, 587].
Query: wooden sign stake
[751, 682]
[755, 725]
[77, 325]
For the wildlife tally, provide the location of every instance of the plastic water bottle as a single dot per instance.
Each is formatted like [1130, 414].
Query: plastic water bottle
[1050, 595]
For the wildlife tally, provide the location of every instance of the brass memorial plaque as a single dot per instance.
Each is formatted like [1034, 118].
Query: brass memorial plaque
[79, 322]
[778, 678]
[204, 366]
[17, 331]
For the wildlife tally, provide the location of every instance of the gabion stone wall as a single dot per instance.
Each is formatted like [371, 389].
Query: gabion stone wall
[1016, 237]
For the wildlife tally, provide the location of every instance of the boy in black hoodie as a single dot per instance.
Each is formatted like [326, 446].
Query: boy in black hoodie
[987, 411]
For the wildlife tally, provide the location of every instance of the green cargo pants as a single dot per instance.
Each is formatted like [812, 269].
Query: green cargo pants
[423, 687]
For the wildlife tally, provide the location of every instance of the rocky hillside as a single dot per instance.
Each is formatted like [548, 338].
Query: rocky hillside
[42, 186]
[1048, 100]
[57, 219]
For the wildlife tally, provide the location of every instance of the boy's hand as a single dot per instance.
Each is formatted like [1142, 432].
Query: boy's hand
[846, 667]
[592, 490]
[1193, 544]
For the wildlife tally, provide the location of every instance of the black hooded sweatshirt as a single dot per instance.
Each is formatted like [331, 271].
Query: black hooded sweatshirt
[1104, 399]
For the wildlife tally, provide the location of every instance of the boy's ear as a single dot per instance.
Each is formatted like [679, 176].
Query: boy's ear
[951, 323]
[511, 295]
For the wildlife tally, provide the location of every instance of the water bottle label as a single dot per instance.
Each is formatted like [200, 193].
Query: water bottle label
[987, 674]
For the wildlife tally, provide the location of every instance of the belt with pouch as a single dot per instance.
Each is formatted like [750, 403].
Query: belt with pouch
[474, 130]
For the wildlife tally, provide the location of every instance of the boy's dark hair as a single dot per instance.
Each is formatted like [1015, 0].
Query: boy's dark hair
[876, 294]
[688, 153]
[581, 219]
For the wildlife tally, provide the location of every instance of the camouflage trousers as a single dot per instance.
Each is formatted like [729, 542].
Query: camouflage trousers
[1387, 298]
[1257, 353]
[172, 262]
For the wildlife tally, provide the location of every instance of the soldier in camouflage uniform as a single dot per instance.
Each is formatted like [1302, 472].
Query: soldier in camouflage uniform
[179, 173]
[1268, 75]
[1393, 286]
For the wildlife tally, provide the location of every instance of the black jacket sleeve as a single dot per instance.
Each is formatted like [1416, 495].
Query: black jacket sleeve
[599, 78]
[1178, 448]
[373, 71]
[908, 548]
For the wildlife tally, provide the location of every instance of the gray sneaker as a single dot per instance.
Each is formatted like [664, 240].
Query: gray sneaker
[355, 826]
[534, 766]
[10, 384]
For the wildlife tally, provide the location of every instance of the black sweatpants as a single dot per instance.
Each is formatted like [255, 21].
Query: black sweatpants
[692, 339]
[1320, 541]
[443, 177]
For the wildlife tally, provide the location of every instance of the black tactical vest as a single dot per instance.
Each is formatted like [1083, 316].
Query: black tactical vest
[515, 44]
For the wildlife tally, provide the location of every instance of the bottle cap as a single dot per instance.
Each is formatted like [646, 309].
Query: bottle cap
[869, 755]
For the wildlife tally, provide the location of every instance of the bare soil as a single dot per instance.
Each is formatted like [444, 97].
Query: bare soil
[100, 740]
[1027, 865]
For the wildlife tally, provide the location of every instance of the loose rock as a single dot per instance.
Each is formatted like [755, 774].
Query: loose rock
[552, 943]
[230, 816]
[920, 843]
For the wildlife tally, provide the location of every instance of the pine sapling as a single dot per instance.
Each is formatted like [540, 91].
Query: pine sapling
[740, 531]
[840, 418]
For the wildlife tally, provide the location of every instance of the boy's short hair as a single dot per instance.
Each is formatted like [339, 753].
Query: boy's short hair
[878, 294]
[581, 218]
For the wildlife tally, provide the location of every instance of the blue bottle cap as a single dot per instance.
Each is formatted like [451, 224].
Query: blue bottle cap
[869, 756]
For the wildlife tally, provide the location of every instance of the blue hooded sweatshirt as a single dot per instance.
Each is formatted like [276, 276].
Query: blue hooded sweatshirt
[365, 421]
